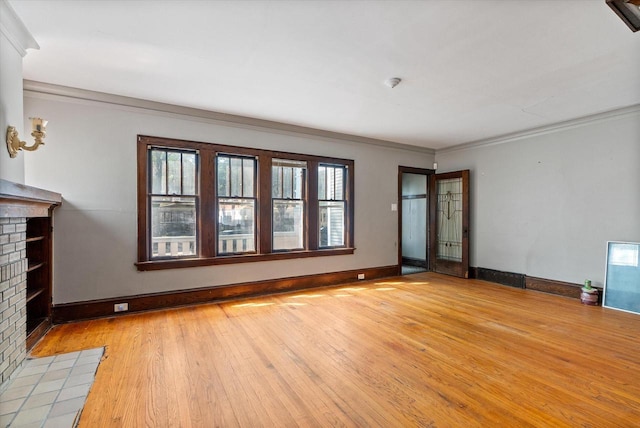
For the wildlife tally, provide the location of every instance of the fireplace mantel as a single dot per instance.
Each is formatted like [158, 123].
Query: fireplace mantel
[19, 200]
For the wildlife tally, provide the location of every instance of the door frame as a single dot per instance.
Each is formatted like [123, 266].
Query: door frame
[427, 173]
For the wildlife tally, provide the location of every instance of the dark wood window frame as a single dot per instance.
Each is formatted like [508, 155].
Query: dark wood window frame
[164, 192]
[239, 197]
[207, 219]
[332, 196]
[283, 197]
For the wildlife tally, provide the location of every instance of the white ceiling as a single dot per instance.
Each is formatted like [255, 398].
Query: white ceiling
[470, 70]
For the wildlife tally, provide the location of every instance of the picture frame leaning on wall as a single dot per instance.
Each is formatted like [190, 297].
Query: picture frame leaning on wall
[622, 277]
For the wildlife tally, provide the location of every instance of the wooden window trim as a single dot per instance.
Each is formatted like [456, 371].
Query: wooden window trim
[254, 197]
[195, 196]
[347, 190]
[305, 206]
[244, 258]
[207, 221]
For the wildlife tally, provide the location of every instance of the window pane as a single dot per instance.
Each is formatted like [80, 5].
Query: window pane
[287, 183]
[449, 219]
[298, 183]
[173, 226]
[276, 182]
[158, 172]
[288, 225]
[175, 175]
[339, 183]
[247, 178]
[236, 177]
[188, 173]
[330, 183]
[332, 223]
[223, 176]
[236, 225]
[288, 214]
[322, 188]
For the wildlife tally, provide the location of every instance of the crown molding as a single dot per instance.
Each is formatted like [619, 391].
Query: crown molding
[34, 88]
[547, 129]
[12, 27]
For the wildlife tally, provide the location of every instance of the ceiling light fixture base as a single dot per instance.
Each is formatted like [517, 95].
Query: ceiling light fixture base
[392, 82]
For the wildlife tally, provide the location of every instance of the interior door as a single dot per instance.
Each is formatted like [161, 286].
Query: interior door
[449, 223]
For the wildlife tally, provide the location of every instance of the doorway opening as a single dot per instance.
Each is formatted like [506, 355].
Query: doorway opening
[433, 221]
[413, 236]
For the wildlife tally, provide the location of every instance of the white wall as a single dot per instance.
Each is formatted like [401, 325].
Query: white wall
[545, 205]
[10, 108]
[14, 40]
[90, 157]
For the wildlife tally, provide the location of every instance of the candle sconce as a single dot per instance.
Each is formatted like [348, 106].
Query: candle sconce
[14, 144]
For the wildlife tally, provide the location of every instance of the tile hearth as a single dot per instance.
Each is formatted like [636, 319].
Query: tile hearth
[49, 392]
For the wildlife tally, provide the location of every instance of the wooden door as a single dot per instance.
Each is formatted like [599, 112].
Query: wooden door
[449, 223]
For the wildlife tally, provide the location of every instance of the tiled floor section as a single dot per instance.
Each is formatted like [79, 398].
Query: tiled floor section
[49, 392]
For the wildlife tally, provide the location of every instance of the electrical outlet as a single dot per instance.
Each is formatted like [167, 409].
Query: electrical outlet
[360, 276]
[120, 307]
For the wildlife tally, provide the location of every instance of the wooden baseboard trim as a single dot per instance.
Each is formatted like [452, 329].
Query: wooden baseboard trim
[551, 286]
[505, 278]
[70, 312]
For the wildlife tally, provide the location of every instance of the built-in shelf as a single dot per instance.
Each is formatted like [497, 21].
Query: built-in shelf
[38, 276]
[34, 267]
[33, 294]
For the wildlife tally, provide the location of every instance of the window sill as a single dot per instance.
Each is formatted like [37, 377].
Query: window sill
[247, 258]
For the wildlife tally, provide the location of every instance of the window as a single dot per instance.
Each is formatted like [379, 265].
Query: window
[332, 204]
[173, 202]
[236, 203]
[288, 197]
[204, 204]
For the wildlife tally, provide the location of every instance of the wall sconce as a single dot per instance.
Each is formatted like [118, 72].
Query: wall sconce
[628, 11]
[14, 144]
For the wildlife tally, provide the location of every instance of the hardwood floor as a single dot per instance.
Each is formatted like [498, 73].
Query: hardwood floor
[419, 350]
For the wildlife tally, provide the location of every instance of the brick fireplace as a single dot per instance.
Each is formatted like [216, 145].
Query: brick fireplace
[18, 203]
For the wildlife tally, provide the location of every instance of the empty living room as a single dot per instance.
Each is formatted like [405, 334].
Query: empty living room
[320, 213]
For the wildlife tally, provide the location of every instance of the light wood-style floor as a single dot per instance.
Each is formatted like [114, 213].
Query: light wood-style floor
[421, 350]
